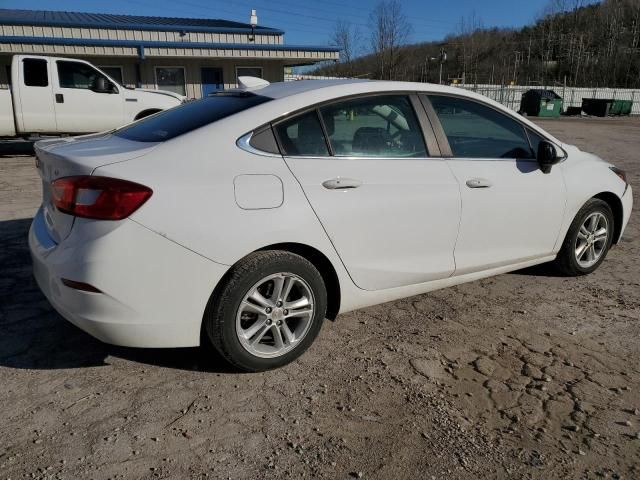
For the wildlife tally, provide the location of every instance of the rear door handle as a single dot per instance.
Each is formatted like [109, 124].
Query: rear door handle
[59, 98]
[340, 183]
[478, 183]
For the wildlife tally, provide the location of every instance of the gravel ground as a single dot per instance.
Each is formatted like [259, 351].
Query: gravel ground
[525, 375]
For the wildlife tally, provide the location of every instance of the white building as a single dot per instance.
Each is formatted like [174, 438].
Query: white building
[190, 56]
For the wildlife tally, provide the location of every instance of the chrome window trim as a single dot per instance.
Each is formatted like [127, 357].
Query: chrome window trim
[336, 157]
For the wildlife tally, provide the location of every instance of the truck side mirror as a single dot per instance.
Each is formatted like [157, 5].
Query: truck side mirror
[101, 85]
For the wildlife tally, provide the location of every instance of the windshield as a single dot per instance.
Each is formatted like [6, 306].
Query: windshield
[190, 116]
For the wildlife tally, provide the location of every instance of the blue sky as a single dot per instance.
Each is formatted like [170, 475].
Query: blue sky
[311, 21]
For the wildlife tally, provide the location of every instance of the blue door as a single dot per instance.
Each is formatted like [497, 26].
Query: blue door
[211, 80]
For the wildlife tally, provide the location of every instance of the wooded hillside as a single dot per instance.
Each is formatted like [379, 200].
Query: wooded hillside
[585, 45]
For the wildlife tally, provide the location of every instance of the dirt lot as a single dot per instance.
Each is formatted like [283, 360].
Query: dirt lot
[525, 375]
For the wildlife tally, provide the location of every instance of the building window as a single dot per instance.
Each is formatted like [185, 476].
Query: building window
[248, 72]
[35, 72]
[171, 79]
[114, 72]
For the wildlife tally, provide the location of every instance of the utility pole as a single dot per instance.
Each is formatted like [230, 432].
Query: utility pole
[443, 58]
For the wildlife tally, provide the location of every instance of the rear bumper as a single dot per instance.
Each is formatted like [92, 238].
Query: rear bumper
[154, 291]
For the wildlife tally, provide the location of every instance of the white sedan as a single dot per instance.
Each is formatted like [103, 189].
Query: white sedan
[245, 219]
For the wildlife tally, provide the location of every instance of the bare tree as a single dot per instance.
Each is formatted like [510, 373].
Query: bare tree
[346, 37]
[390, 30]
[577, 42]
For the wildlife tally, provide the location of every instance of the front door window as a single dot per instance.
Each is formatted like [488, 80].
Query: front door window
[478, 131]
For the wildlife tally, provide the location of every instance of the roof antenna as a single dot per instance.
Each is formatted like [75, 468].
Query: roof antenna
[253, 20]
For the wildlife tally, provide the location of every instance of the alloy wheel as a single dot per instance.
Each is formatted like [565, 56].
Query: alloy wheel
[592, 240]
[275, 315]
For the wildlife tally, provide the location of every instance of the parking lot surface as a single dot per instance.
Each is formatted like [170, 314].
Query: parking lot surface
[525, 375]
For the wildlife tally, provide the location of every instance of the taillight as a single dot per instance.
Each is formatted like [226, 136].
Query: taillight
[101, 198]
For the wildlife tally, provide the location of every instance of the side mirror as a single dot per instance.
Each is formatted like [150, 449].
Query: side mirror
[547, 156]
[101, 85]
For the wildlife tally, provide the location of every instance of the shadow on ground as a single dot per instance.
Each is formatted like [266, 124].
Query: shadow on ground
[35, 336]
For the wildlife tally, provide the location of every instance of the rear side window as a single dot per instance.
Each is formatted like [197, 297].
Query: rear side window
[375, 126]
[190, 116]
[302, 135]
[35, 72]
[477, 131]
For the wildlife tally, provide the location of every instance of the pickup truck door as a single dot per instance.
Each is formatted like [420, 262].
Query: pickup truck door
[82, 103]
[33, 95]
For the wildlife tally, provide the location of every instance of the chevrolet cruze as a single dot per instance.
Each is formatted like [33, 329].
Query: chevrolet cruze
[245, 219]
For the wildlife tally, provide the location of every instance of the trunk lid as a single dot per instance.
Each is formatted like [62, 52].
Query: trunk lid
[65, 157]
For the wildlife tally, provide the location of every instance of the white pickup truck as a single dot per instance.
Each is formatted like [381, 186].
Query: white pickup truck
[59, 96]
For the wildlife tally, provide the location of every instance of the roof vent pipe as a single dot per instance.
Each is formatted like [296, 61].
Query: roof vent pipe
[254, 22]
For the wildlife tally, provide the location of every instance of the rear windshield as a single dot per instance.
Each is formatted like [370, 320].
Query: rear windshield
[185, 118]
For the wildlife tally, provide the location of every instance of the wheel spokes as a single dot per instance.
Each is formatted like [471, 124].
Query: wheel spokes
[580, 251]
[261, 331]
[260, 299]
[275, 315]
[600, 234]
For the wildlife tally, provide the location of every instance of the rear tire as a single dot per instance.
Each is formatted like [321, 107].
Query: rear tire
[588, 239]
[267, 312]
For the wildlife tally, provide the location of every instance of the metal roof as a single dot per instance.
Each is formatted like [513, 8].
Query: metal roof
[155, 44]
[133, 22]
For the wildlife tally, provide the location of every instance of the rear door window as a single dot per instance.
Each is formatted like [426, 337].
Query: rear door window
[190, 116]
[478, 131]
[374, 126]
[35, 72]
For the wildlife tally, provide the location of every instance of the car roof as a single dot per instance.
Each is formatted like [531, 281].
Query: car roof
[286, 89]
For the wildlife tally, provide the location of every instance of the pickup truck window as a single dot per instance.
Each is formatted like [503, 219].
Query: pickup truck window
[35, 72]
[76, 75]
[190, 116]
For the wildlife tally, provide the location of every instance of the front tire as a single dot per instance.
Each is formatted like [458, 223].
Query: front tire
[268, 311]
[588, 239]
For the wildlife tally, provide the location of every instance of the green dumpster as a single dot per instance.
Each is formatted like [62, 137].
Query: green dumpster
[616, 107]
[621, 107]
[603, 107]
[541, 103]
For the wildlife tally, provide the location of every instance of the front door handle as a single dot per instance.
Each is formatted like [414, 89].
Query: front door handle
[478, 183]
[340, 183]
[59, 98]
